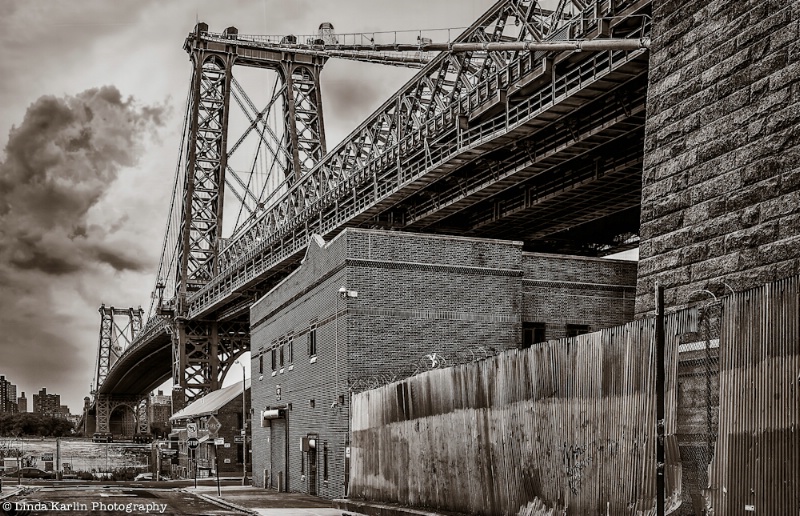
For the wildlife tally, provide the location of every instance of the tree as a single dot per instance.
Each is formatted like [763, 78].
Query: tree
[26, 423]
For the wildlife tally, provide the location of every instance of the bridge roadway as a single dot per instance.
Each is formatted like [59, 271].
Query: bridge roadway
[533, 152]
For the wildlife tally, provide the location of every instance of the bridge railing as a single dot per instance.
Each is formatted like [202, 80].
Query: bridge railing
[381, 176]
[284, 231]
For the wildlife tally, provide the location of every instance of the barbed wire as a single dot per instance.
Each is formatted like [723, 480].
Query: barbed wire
[421, 364]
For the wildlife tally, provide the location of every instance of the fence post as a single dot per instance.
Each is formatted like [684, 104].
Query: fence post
[660, 384]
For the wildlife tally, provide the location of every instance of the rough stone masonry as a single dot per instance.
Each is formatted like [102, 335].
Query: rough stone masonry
[721, 180]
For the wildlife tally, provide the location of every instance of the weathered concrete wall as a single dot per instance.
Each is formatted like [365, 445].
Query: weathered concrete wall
[721, 183]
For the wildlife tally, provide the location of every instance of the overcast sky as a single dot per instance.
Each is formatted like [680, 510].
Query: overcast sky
[92, 95]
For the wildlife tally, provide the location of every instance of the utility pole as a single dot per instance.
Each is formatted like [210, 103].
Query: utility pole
[660, 408]
[244, 426]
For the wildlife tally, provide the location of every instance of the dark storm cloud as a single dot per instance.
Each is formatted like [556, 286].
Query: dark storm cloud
[59, 162]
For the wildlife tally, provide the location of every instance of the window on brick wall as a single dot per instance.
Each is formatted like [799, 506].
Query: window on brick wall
[274, 359]
[312, 341]
[280, 355]
[532, 332]
[573, 330]
[260, 364]
[290, 348]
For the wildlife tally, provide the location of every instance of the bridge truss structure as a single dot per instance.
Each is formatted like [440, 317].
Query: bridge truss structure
[526, 125]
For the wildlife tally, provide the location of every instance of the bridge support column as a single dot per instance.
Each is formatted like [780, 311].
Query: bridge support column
[102, 413]
[203, 352]
[105, 404]
[720, 180]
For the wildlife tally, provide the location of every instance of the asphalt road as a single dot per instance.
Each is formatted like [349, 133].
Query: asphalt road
[138, 498]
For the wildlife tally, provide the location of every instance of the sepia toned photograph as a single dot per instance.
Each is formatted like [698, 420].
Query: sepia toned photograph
[382, 258]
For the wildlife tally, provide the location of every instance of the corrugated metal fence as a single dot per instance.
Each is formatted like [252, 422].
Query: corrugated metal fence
[756, 464]
[569, 425]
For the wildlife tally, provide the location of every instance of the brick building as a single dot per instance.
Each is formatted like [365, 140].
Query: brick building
[408, 301]
[159, 410]
[8, 396]
[224, 406]
[22, 403]
[47, 404]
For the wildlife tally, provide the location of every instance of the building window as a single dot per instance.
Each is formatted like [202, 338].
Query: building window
[274, 359]
[325, 460]
[260, 363]
[312, 341]
[280, 353]
[532, 332]
[290, 348]
[573, 330]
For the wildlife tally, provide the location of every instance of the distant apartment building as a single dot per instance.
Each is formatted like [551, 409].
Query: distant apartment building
[47, 404]
[22, 403]
[159, 411]
[8, 396]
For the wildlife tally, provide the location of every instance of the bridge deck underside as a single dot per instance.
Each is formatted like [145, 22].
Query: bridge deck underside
[578, 165]
[568, 177]
[573, 164]
[141, 369]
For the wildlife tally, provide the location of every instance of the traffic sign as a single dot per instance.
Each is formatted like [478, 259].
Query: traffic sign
[193, 442]
[238, 438]
[191, 429]
[213, 426]
[219, 441]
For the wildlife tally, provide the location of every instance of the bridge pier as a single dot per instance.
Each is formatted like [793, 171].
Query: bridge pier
[720, 209]
[106, 404]
[204, 351]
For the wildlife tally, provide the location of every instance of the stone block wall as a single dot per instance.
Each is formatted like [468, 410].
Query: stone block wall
[721, 181]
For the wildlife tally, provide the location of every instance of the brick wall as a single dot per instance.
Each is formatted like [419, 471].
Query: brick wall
[721, 183]
[229, 417]
[418, 296]
[561, 290]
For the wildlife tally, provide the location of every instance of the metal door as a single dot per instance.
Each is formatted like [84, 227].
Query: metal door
[312, 471]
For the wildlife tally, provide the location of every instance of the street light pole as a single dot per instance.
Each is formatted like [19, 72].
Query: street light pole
[244, 428]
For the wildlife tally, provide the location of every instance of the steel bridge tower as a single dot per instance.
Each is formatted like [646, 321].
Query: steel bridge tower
[118, 329]
[203, 350]
[460, 149]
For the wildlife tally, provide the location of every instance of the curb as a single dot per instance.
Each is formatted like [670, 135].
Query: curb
[379, 509]
[224, 503]
[15, 492]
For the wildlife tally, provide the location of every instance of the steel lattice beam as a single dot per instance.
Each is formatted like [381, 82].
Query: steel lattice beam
[451, 106]
[203, 352]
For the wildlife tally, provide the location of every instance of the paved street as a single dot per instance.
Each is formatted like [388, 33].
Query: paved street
[172, 498]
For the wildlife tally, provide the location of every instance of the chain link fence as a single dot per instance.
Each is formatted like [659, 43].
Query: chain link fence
[698, 406]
